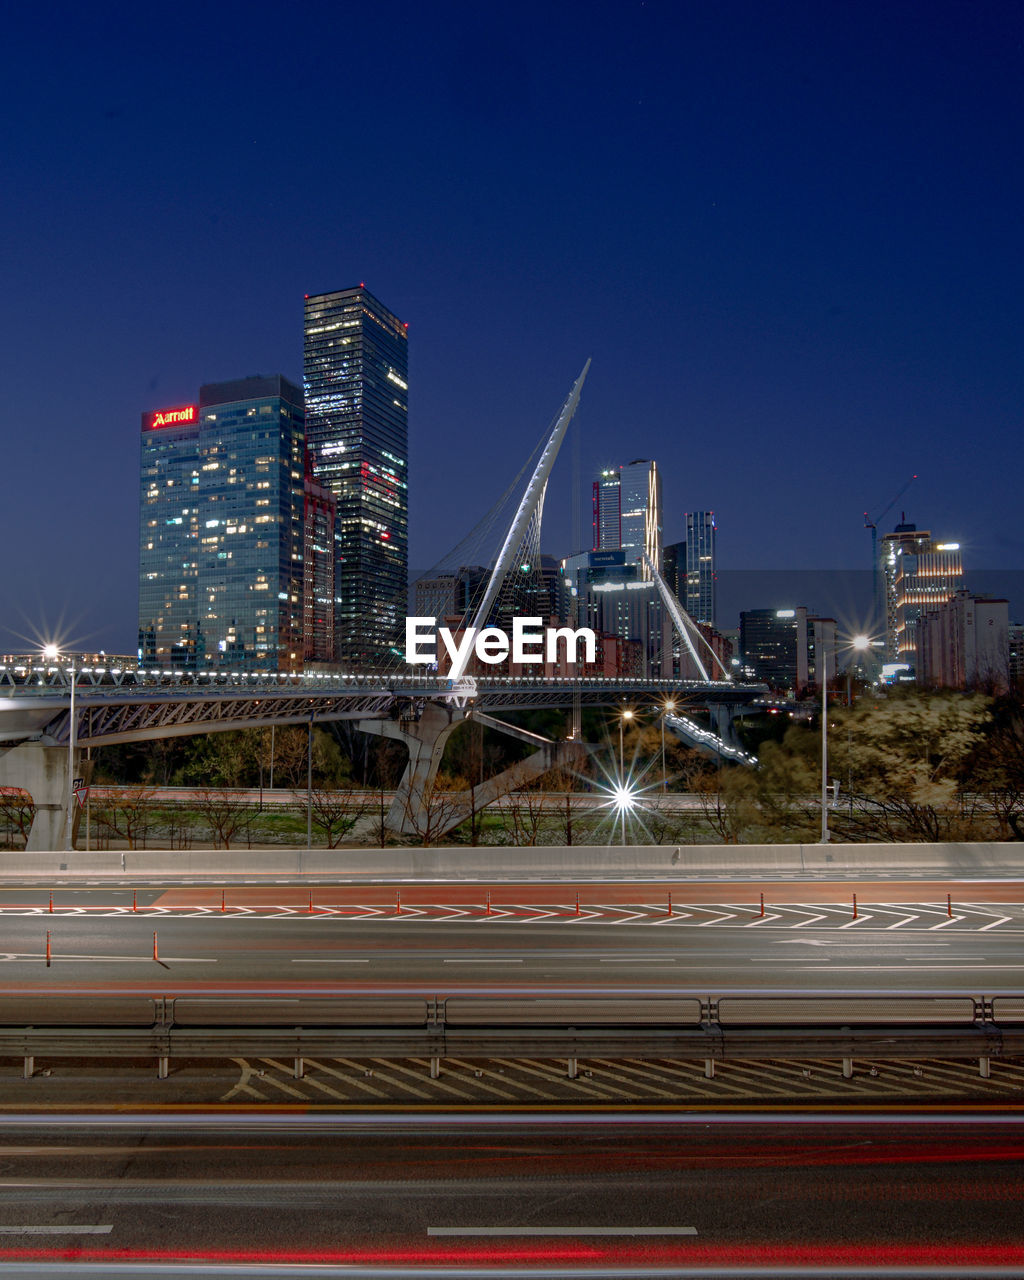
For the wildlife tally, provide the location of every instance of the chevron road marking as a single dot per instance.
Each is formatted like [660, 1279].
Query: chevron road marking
[944, 924]
[1001, 920]
[728, 915]
[768, 916]
[860, 917]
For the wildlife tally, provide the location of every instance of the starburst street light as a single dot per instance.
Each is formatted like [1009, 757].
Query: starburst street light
[624, 799]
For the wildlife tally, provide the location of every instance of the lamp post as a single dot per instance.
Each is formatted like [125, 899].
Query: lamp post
[626, 715]
[669, 707]
[824, 747]
[52, 654]
[859, 644]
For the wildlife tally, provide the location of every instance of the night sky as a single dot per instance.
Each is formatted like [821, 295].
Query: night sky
[789, 236]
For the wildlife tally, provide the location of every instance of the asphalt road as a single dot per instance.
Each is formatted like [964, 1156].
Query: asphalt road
[551, 1194]
[450, 937]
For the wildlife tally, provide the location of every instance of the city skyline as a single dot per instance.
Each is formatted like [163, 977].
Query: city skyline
[788, 241]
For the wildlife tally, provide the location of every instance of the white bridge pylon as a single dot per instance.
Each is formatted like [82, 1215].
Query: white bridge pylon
[530, 505]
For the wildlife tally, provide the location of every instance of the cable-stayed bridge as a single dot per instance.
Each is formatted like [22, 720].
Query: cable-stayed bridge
[50, 714]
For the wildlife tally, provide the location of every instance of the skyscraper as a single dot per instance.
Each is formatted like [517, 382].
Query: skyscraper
[169, 631]
[918, 573]
[700, 566]
[607, 510]
[627, 510]
[221, 555]
[356, 378]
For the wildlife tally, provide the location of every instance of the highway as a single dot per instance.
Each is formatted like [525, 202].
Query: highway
[809, 936]
[550, 1193]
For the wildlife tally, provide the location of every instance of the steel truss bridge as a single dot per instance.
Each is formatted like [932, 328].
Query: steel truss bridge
[134, 706]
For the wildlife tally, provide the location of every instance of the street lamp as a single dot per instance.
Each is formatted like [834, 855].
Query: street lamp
[624, 800]
[667, 709]
[824, 746]
[626, 715]
[52, 654]
[859, 643]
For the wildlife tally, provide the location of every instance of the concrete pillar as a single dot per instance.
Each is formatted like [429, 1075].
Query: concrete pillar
[298, 1069]
[984, 1068]
[29, 1068]
[573, 1069]
[435, 1068]
[709, 1068]
[42, 771]
[161, 1068]
[847, 1068]
[425, 738]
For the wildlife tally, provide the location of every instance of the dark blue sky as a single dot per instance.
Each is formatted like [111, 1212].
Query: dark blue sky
[789, 236]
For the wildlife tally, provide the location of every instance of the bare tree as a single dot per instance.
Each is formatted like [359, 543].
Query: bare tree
[335, 813]
[18, 810]
[125, 813]
[436, 813]
[226, 813]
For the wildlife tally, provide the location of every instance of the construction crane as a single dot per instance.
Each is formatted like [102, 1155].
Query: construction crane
[873, 524]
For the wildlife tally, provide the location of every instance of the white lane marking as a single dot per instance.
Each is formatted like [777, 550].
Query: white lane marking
[764, 920]
[1001, 920]
[809, 920]
[57, 1231]
[729, 915]
[858, 918]
[895, 968]
[561, 1231]
[942, 924]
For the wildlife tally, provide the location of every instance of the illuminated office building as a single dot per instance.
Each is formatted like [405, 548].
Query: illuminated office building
[607, 510]
[787, 648]
[355, 368]
[917, 573]
[699, 601]
[222, 511]
[319, 564]
[627, 510]
[169, 631]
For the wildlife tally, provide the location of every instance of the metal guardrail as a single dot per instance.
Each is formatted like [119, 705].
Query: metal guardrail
[737, 1025]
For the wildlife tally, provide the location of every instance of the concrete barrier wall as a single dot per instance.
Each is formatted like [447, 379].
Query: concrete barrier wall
[578, 863]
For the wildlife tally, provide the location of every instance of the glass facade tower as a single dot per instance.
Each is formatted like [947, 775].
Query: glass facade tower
[356, 383]
[169, 630]
[221, 556]
[700, 566]
[627, 510]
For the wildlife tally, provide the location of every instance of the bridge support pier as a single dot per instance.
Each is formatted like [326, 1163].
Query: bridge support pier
[723, 717]
[425, 738]
[42, 771]
[415, 809]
